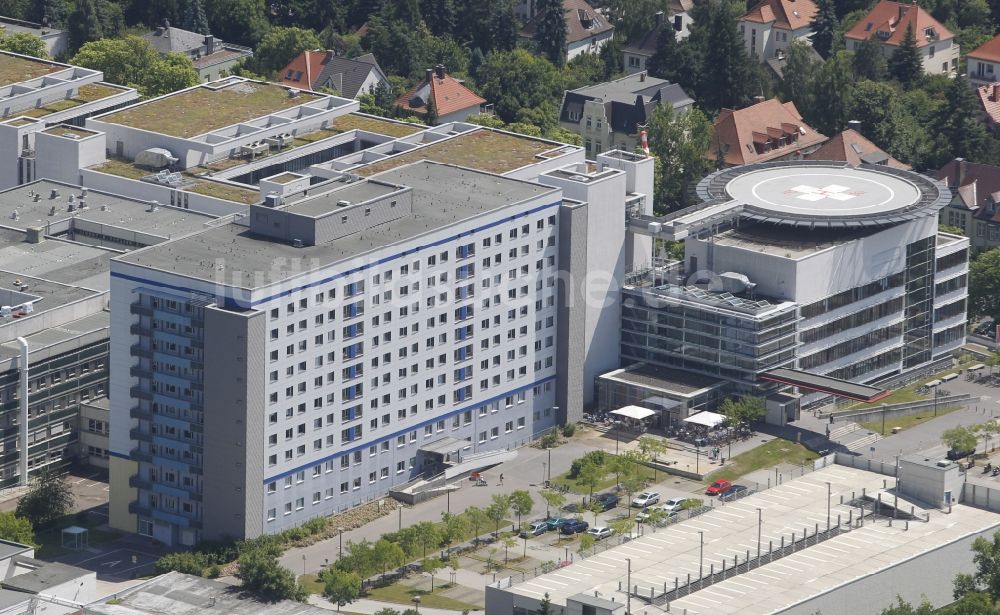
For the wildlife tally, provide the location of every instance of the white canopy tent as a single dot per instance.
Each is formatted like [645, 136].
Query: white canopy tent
[708, 419]
[633, 412]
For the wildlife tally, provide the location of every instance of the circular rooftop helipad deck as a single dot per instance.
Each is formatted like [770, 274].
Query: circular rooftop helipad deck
[823, 191]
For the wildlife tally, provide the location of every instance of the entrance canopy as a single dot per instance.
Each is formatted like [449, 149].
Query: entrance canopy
[633, 412]
[826, 384]
[708, 419]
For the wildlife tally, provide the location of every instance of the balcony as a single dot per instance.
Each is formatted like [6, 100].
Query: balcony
[140, 310]
[137, 371]
[139, 483]
[140, 393]
[140, 435]
[142, 353]
[136, 509]
[138, 455]
[136, 412]
[138, 329]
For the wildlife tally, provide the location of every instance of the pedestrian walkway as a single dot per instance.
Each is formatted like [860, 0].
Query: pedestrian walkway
[370, 607]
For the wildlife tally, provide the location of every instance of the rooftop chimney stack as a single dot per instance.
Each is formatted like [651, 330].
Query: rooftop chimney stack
[209, 45]
[960, 171]
[659, 18]
[854, 125]
[996, 92]
[428, 74]
[439, 71]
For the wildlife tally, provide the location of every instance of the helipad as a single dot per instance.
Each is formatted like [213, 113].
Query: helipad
[823, 192]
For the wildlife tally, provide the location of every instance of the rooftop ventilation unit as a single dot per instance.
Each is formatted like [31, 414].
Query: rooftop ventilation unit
[297, 243]
[343, 203]
[54, 194]
[272, 200]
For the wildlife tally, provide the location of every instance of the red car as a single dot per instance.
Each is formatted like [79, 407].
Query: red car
[718, 487]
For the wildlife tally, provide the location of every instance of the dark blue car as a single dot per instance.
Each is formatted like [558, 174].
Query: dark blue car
[574, 526]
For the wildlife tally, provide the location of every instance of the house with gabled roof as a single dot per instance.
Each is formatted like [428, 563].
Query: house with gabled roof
[212, 58]
[888, 22]
[636, 54]
[984, 62]
[440, 98]
[975, 203]
[989, 106]
[767, 130]
[350, 77]
[771, 25]
[852, 147]
[587, 30]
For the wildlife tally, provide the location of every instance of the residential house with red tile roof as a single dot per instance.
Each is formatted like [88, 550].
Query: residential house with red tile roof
[768, 130]
[586, 29]
[452, 101]
[888, 22]
[350, 77]
[771, 25]
[852, 147]
[984, 62]
[636, 54]
[989, 106]
[975, 203]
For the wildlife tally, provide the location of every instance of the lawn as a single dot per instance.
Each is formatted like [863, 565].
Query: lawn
[905, 422]
[494, 152]
[399, 593]
[86, 94]
[114, 166]
[775, 452]
[50, 538]
[909, 392]
[225, 191]
[353, 121]
[563, 480]
[14, 70]
[196, 111]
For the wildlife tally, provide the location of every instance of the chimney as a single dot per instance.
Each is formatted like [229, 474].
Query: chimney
[758, 99]
[902, 12]
[659, 18]
[209, 45]
[854, 125]
[439, 71]
[166, 24]
[960, 171]
[996, 92]
[428, 74]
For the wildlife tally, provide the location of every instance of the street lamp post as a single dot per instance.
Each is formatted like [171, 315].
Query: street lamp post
[548, 477]
[701, 554]
[448, 494]
[416, 603]
[400, 509]
[829, 493]
[628, 590]
[303, 563]
[340, 534]
[935, 400]
[760, 521]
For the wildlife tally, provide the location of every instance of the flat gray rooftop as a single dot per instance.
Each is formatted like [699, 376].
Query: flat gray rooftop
[121, 212]
[790, 243]
[834, 192]
[442, 196]
[55, 260]
[666, 379]
[97, 322]
[659, 557]
[355, 193]
[44, 577]
[183, 594]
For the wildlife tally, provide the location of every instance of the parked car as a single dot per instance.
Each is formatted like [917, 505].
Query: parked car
[534, 529]
[956, 454]
[734, 491]
[555, 523]
[673, 504]
[574, 526]
[607, 500]
[646, 513]
[718, 487]
[646, 498]
[985, 328]
[600, 533]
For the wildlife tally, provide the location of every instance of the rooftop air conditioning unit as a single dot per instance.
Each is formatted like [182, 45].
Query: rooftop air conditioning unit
[343, 203]
[272, 200]
[297, 243]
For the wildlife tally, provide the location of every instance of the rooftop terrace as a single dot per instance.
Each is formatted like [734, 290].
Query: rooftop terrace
[442, 196]
[87, 93]
[14, 69]
[202, 109]
[486, 150]
[356, 121]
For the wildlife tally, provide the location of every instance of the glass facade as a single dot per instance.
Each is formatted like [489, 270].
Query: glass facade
[857, 319]
[919, 300]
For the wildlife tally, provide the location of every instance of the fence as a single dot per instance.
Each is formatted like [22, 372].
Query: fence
[868, 464]
[903, 409]
[980, 496]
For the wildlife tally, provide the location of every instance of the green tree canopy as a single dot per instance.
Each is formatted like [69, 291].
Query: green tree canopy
[238, 21]
[832, 93]
[869, 62]
[883, 118]
[261, 574]
[960, 125]
[679, 142]
[906, 65]
[550, 30]
[24, 43]
[521, 503]
[516, 80]
[16, 529]
[134, 62]
[49, 497]
[666, 62]
[498, 509]
[340, 586]
[825, 26]
[960, 438]
[195, 19]
[729, 77]
[984, 285]
[280, 46]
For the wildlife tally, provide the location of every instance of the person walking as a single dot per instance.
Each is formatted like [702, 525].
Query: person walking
[501, 480]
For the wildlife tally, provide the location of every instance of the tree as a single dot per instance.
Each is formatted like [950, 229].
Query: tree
[904, 608]
[905, 65]
[959, 438]
[621, 526]
[387, 555]
[453, 527]
[25, 44]
[504, 25]
[545, 605]
[986, 557]
[586, 542]
[960, 124]
[799, 75]
[665, 63]
[553, 499]
[428, 535]
[550, 30]
[987, 430]
[984, 285]
[360, 558]
[477, 518]
[590, 476]
[261, 574]
[16, 529]
[439, 15]
[730, 78]
[280, 46]
[831, 93]
[498, 509]
[48, 498]
[516, 80]
[679, 141]
[430, 566]
[194, 17]
[238, 21]
[85, 24]
[651, 447]
[521, 503]
[340, 587]
[824, 27]
[883, 119]
[134, 62]
[869, 62]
